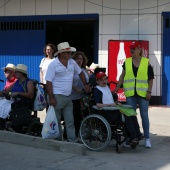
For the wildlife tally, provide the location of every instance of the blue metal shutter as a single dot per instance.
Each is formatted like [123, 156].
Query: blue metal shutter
[166, 60]
[22, 42]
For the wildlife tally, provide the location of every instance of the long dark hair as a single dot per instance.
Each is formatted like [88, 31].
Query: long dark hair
[85, 60]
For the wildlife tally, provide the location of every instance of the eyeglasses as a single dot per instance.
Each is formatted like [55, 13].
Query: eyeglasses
[68, 52]
[7, 71]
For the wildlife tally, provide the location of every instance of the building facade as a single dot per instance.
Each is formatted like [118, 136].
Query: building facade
[102, 20]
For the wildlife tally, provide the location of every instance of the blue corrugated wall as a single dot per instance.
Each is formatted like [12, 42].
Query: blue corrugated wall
[22, 47]
[166, 60]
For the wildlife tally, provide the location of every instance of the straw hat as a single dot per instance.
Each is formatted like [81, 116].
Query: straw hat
[22, 68]
[9, 66]
[93, 66]
[64, 47]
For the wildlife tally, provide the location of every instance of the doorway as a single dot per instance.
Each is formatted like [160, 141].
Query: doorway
[79, 33]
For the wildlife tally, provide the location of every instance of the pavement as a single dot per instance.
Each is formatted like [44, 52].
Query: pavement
[68, 156]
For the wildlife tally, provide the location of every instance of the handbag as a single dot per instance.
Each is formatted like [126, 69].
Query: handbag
[50, 128]
[20, 117]
[39, 102]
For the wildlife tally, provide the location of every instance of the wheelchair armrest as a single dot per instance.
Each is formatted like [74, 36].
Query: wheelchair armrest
[105, 108]
[1, 80]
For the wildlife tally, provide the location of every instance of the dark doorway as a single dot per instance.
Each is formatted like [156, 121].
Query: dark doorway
[79, 34]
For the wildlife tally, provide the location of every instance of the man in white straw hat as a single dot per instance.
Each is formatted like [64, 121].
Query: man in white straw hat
[9, 72]
[59, 79]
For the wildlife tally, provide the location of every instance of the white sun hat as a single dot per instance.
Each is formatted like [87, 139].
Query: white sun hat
[22, 68]
[64, 47]
[9, 66]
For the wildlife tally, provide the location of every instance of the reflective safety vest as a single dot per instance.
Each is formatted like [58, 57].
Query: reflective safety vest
[141, 79]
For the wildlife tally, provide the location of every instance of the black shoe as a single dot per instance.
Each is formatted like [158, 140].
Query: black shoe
[2, 124]
[134, 143]
[80, 142]
[141, 136]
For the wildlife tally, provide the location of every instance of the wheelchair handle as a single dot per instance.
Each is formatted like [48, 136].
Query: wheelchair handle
[1, 80]
[113, 82]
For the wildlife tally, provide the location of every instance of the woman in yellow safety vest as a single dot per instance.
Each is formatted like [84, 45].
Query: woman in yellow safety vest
[137, 79]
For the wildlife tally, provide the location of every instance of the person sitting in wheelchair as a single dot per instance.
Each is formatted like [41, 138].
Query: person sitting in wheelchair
[104, 98]
[23, 88]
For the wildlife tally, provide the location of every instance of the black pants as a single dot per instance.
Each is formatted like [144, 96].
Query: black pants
[132, 127]
[77, 115]
[110, 116]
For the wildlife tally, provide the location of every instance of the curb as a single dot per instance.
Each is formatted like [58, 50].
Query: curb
[36, 142]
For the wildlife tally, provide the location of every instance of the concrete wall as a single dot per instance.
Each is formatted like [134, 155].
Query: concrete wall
[119, 20]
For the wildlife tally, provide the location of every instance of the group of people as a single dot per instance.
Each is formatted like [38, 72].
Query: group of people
[65, 75]
[17, 83]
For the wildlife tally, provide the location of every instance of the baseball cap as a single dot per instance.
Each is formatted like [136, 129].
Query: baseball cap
[136, 44]
[100, 75]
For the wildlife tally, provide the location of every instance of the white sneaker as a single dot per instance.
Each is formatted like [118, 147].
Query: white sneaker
[148, 143]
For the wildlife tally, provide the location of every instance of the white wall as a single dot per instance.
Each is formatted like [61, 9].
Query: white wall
[119, 20]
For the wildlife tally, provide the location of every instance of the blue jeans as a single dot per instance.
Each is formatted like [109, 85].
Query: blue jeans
[143, 107]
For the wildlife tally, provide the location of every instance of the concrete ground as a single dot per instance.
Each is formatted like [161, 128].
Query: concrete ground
[37, 157]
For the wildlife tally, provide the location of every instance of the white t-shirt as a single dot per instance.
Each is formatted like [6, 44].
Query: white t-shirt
[107, 95]
[78, 83]
[61, 76]
[44, 66]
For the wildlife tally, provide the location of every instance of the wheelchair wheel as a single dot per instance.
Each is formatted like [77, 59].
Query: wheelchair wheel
[95, 132]
[35, 128]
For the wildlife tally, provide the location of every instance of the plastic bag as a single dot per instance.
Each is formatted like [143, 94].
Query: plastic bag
[50, 128]
[127, 111]
[39, 102]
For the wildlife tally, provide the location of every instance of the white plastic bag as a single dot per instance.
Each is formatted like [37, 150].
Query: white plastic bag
[50, 128]
[39, 102]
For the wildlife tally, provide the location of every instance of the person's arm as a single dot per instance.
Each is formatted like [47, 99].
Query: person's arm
[150, 82]
[7, 90]
[83, 79]
[148, 94]
[41, 76]
[52, 100]
[76, 89]
[120, 82]
[30, 91]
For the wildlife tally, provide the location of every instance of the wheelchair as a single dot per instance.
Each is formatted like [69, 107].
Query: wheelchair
[23, 118]
[96, 130]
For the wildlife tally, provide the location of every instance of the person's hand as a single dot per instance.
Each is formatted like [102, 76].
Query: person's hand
[113, 105]
[119, 104]
[87, 88]
[14, 94]
[148, 96]
[52, 101]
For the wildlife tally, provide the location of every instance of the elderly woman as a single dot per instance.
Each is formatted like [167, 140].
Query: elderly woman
[9, 72]
[23, 87]
[76, 96]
